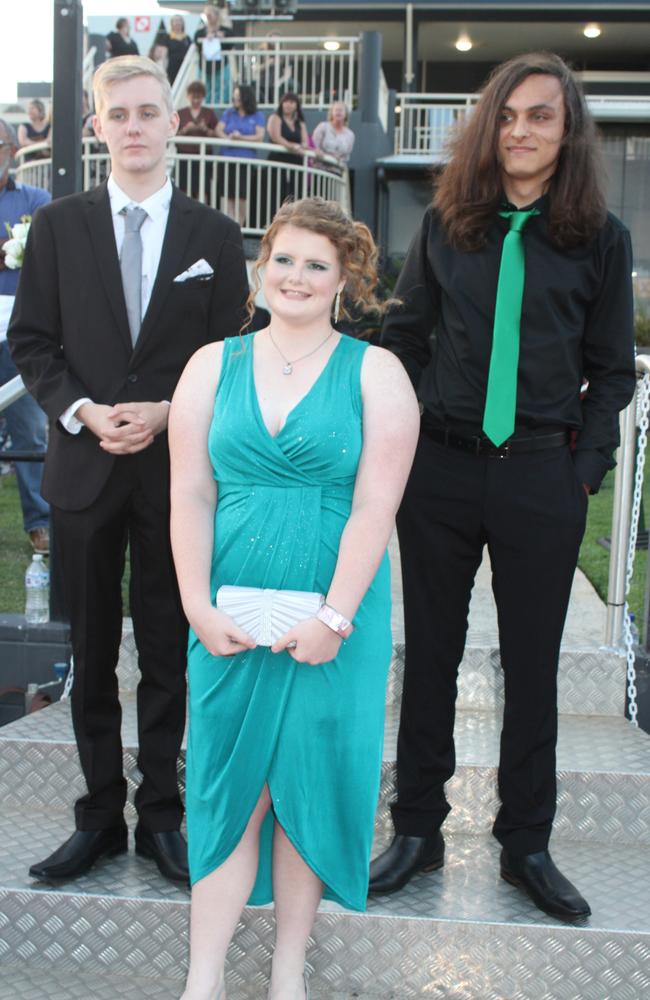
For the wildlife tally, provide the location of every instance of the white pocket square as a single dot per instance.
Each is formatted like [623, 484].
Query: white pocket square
[200, 269]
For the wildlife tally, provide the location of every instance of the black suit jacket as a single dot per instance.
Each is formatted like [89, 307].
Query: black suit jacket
[69, 333]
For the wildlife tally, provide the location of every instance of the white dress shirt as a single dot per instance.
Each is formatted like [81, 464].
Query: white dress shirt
[153, 233]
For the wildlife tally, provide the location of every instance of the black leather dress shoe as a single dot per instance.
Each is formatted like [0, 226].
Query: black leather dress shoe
[168, 850]
[405, 856]
[549, 890]
[80, 852]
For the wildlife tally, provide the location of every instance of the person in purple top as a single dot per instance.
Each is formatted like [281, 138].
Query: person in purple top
[26, 422]
[245, 125]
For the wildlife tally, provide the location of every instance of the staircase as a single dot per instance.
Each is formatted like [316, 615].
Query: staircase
[457, 934]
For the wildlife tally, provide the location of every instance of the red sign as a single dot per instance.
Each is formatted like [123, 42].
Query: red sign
[142, 23]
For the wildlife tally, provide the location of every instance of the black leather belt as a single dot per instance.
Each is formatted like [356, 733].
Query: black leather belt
[483, 446]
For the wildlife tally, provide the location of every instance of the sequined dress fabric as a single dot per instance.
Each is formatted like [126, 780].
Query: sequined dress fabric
[314, 735]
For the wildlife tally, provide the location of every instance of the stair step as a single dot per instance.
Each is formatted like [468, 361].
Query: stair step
[437, 938]
[591, 677]
[591, 680]
[603, 771]
[23, 982]
[26, 983]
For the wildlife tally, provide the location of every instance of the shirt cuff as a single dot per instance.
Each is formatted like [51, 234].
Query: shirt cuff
[68, 421]
[590, 467]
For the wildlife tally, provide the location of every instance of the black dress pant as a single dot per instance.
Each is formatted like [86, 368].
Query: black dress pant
[530, 510]
[91, 545]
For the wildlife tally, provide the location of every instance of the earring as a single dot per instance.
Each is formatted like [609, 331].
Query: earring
[337, 306]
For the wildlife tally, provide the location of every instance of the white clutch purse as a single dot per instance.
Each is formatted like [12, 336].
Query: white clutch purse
[267, 614]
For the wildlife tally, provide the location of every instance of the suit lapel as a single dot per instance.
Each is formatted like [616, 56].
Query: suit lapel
[102, 237]
[177, 234]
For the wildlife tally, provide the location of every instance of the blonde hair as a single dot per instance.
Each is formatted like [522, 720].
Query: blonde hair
[331, 111]
[354, 244]
[126, 68]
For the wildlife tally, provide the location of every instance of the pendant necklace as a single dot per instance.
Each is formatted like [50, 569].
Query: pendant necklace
[288, 365]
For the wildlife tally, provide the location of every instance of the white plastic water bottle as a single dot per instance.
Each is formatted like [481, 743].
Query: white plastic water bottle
[37, 592]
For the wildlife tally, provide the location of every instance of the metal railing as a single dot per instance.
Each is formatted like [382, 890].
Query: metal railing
[624, 490]
[11, 391]
[249, 190]
[188, 72]
[272, 66]
[425, 120]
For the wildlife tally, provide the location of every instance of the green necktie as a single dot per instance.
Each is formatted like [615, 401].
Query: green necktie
[501, 397]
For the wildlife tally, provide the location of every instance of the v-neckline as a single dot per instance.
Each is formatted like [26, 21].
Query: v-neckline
[302, 399]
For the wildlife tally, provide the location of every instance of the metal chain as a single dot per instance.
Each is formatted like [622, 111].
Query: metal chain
[642, 421]
[69, 681]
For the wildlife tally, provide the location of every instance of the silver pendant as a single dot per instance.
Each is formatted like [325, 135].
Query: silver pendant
[288, 369]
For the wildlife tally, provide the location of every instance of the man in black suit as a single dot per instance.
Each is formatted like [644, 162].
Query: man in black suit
[119, 287]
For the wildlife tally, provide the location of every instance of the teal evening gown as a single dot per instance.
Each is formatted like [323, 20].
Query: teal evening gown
[313, 734]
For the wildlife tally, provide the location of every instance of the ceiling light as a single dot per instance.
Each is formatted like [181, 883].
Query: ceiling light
[592, 31]
[332, 45]
[464, 43]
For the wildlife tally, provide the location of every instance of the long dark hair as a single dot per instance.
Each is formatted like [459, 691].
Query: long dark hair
[247, 98]
[470, 189]
[290, 96]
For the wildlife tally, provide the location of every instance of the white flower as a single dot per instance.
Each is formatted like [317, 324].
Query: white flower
[14, 247]
[14, 251]
[19, 231]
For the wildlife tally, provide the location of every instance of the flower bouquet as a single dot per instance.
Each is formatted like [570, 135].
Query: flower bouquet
[14, 247]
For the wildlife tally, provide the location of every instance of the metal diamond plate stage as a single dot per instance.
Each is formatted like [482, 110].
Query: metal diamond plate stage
[120, 932]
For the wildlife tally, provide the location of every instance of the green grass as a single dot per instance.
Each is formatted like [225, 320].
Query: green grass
[15, 550]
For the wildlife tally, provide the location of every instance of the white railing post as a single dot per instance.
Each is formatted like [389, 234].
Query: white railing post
[622, 515]
[243, 176]
[621, 512]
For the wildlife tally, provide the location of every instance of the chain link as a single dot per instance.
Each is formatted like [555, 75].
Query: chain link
[642, 422]
[69, 681]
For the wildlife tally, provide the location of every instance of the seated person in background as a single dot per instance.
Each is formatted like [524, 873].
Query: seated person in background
[119, 42]
[176, 41]
[195, 119]
[287, 128]
[333, 137]
[273, 72]
[245, 124]
[37, 130]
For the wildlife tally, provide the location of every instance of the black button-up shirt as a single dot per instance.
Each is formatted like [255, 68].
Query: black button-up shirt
[576, 326]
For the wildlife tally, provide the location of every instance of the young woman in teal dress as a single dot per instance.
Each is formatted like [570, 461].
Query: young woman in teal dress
[290, 451]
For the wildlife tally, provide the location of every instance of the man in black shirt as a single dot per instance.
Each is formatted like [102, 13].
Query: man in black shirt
[525, 169]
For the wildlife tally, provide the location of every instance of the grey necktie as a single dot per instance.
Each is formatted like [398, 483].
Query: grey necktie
[131, 267]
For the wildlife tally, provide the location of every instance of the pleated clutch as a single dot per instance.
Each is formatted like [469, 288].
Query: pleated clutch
[267, 614]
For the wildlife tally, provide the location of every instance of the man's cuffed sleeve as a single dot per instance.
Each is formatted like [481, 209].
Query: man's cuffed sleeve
[69, 421]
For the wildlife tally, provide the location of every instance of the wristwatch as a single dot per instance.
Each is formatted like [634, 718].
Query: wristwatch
[334, 620]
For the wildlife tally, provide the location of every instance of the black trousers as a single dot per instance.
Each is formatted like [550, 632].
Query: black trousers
[91, 545]
[530, 511]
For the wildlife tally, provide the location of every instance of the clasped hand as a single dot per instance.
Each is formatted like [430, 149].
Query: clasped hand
[309, 642]
[125, 428]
